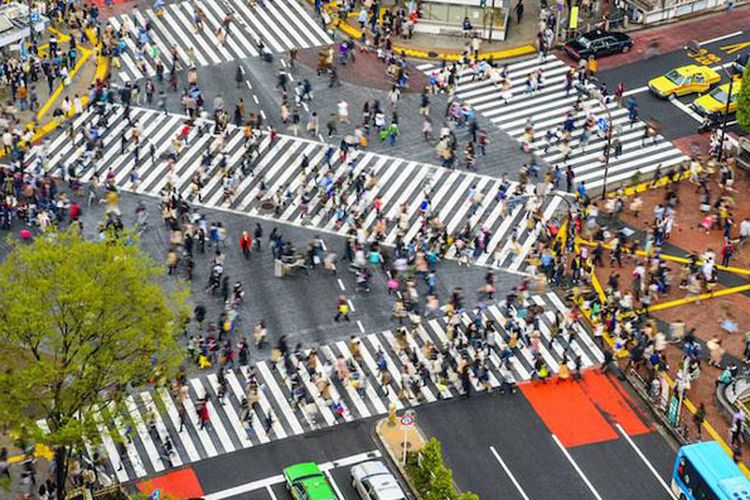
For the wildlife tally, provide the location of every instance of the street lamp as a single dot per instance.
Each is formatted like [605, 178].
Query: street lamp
[607, 149]
[726, 115]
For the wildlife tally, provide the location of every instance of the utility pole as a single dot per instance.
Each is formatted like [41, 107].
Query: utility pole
[726, 117]
[492, 21]
[607, 149]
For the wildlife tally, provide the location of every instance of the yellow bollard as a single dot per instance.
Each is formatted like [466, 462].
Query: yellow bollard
[392, 413]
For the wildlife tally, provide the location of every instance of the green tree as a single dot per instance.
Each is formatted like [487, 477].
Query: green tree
[432, 454]
[80, 320]
[441, 486]
[467, 496]
[743, 101]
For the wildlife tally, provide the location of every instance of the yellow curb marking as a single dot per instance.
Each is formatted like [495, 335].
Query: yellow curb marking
[85, 54]
[354, 33]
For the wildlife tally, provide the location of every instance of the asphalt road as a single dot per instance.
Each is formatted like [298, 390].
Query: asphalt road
[299, 307]
[497, 446]
[480, 433]
[225, 475]
[675, 122]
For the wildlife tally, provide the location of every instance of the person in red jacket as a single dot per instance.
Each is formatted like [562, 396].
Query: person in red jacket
[75, 211]
[203, 417]
[245, 244]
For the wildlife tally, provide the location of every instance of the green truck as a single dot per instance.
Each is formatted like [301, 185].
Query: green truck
[306, 481]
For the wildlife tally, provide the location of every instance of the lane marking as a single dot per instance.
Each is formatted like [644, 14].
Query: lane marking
[255, 98]
[645, 460]
[249, 85]
[263, 114]
[685, 109]
[720, 38]
[267, 482]
[351, 306]
[320, 136]
[636, 90]
[577, 468]
[271, 493]
[333, 483]
[341, 285]
[361, 328]
[510, 474]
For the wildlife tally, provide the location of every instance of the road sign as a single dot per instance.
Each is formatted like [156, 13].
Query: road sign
[407, 420]
[573, 18]
[673, 411]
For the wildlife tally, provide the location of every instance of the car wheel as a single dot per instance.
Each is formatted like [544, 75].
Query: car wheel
[626, 49]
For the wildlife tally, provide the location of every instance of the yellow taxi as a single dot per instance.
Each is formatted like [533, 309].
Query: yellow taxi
[684, 80]
[715, 102]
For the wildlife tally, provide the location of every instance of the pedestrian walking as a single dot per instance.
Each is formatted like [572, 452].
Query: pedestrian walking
[342, 309]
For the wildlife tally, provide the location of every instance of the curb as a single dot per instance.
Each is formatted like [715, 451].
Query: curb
[356, 34]
[686, 402]
[102, 68]
[397, 460]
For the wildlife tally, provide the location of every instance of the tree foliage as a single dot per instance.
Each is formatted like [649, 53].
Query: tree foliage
[429, 475]
[743, 101]
[82, 320]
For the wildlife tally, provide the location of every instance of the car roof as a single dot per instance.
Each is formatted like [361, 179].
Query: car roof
[387, 487]
[365, 469]
[318, 488]
[381, 479]
[688, 69]
[294, 472]
[596, 34]
[736, 86]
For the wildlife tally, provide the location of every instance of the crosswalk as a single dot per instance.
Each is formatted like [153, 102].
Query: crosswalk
[279, 24]
[458, 199]
[149, 416]
[546, 109]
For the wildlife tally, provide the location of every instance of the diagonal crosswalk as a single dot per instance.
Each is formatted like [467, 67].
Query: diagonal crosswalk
[458, 201]
[423, 368]
[279, 24]
[546, 109]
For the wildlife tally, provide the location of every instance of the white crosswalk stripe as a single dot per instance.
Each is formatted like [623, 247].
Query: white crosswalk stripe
[439, 353]
[546, 109]
[463, 202]
[279, 24]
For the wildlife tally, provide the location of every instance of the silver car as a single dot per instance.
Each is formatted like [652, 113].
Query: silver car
[373, 481]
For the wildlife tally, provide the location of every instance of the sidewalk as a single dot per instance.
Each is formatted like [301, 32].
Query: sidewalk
[521, 39]
[677, 35]
[707, 316]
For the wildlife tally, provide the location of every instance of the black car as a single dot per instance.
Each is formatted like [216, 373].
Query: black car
[598, 43]
[740, 63]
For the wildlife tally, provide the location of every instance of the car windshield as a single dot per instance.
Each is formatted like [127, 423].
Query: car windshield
[720, 95]
[674, 77]
[585, 42]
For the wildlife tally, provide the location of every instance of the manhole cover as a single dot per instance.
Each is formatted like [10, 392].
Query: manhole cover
[267, 206]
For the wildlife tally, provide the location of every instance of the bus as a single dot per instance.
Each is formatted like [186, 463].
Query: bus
[704, 471]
